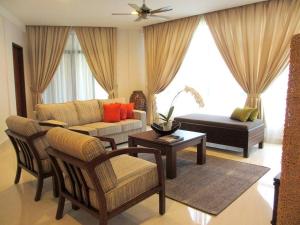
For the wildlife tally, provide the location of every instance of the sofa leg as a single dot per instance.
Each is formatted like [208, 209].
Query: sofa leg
[162, 202]
[246, 153]
[261, 145]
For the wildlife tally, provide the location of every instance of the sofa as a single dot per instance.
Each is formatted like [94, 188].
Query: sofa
[87, 117]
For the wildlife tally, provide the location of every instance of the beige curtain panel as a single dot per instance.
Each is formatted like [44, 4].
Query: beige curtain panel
[165, 46]
[45, 48]
[99, 47]
[254, 42]
[288, 212]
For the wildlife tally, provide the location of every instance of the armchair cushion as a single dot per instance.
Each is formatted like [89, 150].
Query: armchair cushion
[88, 111]
[27, 127]
[134, 177]
[85, 148]
[46, 163]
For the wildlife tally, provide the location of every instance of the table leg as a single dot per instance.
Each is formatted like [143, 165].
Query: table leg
[131, 143]
[171, 163]
[201, 151]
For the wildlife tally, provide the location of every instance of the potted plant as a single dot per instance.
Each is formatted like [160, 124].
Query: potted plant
[167, 119]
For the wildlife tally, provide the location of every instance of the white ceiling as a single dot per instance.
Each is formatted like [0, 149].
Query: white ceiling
[98, 12]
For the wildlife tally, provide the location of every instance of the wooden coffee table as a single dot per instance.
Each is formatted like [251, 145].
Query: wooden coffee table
[149, 139]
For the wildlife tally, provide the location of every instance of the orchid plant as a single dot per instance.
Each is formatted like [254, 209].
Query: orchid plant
[166, 118]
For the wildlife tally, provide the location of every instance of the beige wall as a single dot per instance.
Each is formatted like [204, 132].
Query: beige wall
[131, 73]
[11, 31]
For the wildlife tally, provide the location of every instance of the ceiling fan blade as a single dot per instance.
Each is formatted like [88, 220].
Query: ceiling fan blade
[160, 17]
[121, 14]
[135, 7]
[138, 19]
[163, 9]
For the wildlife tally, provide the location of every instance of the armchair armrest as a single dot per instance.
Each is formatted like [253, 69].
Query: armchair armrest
[92, 132]
[53, 123]
[140, 115]
[110, 140]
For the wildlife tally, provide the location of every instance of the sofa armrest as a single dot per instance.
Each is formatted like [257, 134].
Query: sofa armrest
[84, 130]
[140, 115]
[53, 123]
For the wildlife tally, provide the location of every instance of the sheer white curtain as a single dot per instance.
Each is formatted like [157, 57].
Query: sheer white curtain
[205, 70]
[73, 79]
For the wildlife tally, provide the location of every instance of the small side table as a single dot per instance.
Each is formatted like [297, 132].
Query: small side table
[276, 194]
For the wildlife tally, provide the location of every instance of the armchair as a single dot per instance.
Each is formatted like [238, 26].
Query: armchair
[29, 143]
[100, 182]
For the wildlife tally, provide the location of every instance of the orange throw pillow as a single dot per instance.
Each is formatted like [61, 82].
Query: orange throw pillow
[123, 112]
[111, 112]
[130, 107]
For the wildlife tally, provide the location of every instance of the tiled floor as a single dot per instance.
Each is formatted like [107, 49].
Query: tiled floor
[254, 207]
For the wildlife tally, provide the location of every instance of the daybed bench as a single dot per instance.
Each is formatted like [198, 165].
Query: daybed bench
[225, 131]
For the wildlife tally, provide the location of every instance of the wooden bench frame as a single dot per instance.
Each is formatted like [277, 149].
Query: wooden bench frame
[230, 136]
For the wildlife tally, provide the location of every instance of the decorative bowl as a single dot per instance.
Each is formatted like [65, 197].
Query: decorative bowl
[160, 130]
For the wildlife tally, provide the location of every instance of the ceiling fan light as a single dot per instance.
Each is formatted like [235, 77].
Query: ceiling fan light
[134, 13]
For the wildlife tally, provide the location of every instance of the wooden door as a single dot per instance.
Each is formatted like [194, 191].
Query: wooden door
[19, 80]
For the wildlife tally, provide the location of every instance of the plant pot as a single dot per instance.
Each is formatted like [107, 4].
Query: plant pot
[167, 126]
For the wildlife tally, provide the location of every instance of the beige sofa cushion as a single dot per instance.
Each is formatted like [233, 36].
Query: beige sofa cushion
[88, 111]
[85, 148]
[134, 177]
[104, 129]
[28, 127]
[130, 124]
[65, 112]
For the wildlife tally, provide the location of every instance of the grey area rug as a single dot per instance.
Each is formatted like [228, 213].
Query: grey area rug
[210, 187]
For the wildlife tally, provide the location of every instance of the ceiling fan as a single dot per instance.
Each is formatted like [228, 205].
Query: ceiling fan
[144, 12]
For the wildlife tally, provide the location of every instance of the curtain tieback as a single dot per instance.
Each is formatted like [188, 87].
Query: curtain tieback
[33, 90]
[253, 96]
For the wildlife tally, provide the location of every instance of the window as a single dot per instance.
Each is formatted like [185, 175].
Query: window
[73, 79]
[204, 69]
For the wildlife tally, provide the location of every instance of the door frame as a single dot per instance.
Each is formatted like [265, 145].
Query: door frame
[19, 81]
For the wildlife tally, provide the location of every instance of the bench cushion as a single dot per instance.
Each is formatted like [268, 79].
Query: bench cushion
[219, 121]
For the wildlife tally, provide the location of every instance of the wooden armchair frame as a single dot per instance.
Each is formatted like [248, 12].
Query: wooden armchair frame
[25, 145]
[73, 167]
